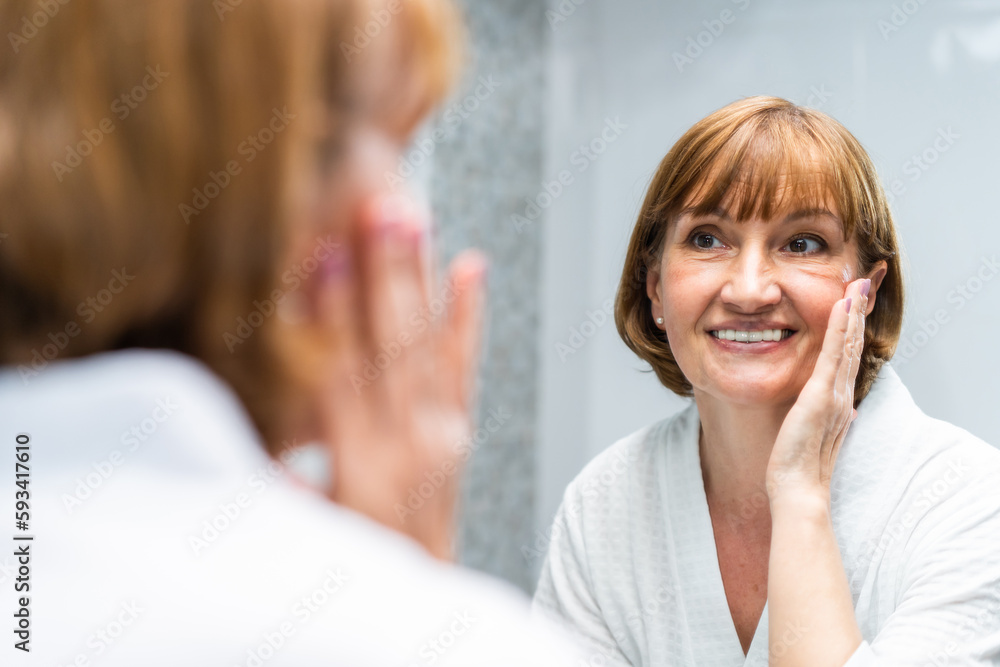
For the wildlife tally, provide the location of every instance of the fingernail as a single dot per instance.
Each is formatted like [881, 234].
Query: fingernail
[847, 305]
[866, 287]
[392, 214]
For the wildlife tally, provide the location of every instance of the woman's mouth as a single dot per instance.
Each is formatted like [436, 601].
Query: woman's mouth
[749, 337]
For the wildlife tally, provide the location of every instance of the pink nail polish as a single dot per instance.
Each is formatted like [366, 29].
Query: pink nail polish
[392, 216]
[847, 305]
[866, 287]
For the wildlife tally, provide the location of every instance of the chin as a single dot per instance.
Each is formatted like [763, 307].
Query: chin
[743, 390]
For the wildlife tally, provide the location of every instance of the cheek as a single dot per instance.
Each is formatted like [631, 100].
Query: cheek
[687, 291]
[814, 291]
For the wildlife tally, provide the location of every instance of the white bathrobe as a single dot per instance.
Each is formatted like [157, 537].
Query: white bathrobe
[632, 564]
[164, 536]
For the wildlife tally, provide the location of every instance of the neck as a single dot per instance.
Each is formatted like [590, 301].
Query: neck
[735, 446]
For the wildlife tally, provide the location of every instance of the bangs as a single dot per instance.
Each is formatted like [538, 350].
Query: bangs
[773, 161]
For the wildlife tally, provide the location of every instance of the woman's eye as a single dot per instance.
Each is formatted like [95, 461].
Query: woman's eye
[804, 245]
[706, 241]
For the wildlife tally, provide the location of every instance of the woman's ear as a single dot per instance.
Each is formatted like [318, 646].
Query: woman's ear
[654, 291]
[876, 275]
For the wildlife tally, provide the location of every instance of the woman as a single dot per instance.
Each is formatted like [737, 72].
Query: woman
[198, 257]
[802, 510]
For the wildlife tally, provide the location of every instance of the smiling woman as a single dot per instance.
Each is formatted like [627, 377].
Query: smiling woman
[763, 280]
[767, 159]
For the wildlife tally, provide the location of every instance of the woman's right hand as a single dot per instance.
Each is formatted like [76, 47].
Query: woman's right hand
[399, 392]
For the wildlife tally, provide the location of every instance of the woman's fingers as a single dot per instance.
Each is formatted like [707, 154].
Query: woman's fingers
[467, 275]
[393, 294]
[858, 345]
[830, 366]
[854, 341]
[853, 346]
[337, 302]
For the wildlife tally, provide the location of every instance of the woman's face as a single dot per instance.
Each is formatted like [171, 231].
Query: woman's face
[752, 278]
[360, 169]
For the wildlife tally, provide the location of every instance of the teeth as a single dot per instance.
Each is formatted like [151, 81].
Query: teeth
[751, 336]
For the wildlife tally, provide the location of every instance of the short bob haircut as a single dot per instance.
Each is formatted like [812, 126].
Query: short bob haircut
[93, 183]
[747, 158]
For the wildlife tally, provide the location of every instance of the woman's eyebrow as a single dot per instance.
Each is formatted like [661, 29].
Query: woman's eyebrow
[810, 213]
[695, 211]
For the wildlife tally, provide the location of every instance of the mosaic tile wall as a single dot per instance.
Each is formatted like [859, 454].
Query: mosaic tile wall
[490, 160]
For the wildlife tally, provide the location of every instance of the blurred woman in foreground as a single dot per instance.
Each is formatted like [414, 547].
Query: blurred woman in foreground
[198, 256]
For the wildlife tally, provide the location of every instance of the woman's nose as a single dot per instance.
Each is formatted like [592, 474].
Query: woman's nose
[751, 281]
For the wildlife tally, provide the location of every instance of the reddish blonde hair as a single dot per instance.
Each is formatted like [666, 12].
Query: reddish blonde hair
[212, 78]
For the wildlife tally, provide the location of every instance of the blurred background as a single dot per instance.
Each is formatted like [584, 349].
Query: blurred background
[543, 156]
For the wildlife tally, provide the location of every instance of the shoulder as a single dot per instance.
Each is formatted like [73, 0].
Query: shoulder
[629, 470]
[435, 612]
[895, 440]
[209, 535]
[907, 483]
[922, 448]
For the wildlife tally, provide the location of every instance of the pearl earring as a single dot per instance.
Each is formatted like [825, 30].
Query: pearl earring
[659, 320]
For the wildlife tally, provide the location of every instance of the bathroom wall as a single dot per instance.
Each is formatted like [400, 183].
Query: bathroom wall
[548, 172]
